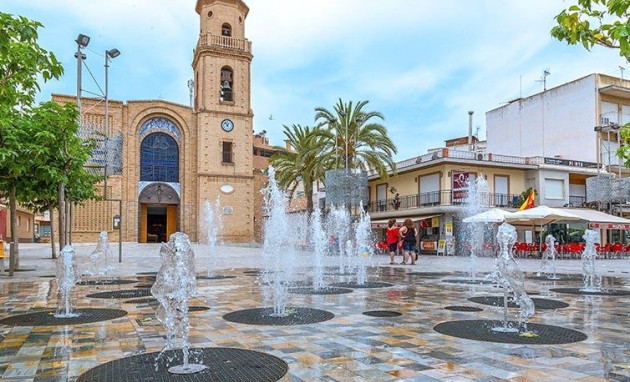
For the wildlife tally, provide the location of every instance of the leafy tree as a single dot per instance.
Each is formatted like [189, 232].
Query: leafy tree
[22, 63]
[349, 126]
[596, 22]
[56, 162]
[301, 164]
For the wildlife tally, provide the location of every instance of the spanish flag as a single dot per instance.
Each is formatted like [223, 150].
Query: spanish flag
[528, 203]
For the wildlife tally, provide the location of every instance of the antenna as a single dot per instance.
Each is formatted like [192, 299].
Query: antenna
[543, 79]
[621, 69]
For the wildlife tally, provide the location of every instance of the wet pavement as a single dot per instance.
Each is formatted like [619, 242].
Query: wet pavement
[351, 346]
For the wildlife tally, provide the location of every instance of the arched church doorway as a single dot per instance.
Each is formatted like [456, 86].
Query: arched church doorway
[159, 211]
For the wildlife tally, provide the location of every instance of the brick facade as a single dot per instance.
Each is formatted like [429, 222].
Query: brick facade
[204, 174]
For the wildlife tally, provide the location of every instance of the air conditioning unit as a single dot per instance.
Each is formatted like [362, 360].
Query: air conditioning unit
[605, 121]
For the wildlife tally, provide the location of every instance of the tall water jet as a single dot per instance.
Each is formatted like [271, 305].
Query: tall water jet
[66, 274]
[213, 226]
[278, 247]
[592, 281]
[318, 243]
[363, 248]
[549, 258]
[513, 281]
[476, 202]
[175, 284]
[339, 228]
[100, 257]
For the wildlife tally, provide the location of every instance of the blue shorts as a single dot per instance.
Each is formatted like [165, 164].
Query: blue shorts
[409, 246]
[393, 247]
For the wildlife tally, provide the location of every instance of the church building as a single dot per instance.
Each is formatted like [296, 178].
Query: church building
[165, 160]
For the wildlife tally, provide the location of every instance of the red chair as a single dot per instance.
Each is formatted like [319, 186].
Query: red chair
[615, 250]
[522, 249]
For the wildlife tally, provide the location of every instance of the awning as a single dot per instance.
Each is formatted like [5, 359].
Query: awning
[382, 223]
[598, 219]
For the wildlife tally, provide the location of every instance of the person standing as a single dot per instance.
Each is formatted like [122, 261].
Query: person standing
[393, 238]
[408, 235]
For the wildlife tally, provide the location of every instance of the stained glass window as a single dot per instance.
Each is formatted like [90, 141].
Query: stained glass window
[159, 158]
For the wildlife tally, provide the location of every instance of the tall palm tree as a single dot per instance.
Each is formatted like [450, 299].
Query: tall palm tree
[351, 139]
[300, 165]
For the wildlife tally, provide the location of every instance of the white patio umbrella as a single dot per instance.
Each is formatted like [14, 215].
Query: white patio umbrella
[493, 215]
[540, 215]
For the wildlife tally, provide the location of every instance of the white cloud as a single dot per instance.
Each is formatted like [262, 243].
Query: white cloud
[422, 63]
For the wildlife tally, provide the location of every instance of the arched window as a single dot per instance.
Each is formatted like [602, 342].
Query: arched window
[159, 158]
[227, 84]
[226, 30]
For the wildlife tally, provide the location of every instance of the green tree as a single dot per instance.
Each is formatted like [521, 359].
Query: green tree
[598, 22]
[22, 63]
[300, 165]
[349, 134]
[56, 163]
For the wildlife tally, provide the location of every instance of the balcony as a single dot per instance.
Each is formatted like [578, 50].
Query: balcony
[224, 42]
[440, 198]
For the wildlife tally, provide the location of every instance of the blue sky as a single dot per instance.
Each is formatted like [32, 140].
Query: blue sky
[422, 63]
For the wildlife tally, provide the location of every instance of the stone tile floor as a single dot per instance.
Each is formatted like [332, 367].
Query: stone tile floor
[349, 347]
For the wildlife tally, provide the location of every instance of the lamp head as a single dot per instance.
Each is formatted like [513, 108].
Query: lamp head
[83, 40]
[112, 53]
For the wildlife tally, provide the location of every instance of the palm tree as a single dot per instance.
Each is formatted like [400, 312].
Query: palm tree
[349, 139]
[299, 165]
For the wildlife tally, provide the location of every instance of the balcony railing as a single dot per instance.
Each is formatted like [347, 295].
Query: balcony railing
[440, 198]
[577, 201]
[216, 41]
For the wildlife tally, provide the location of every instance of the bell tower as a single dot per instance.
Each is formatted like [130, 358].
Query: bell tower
[222, 109]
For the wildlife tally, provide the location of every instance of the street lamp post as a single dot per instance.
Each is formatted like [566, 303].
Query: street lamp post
[109, 54]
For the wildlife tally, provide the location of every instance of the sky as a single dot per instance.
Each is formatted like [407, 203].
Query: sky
[423, 64]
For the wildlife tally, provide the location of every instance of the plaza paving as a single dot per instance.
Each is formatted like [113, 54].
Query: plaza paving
[349, 347]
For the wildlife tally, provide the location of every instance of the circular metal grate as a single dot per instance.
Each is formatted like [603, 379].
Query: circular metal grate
[263, 316]
[382, 313]
[145, 300]
[106, 282]
[47, 318]
[603, 292]
[470, 281]
[457, 308]
[127, 293]
[558, 278]
[323, 291]
[21, 270]
[368, 284]
[482, 330]
[539, 303]
[430, 274]
[143, 286]
[224, 365]
[147, 273]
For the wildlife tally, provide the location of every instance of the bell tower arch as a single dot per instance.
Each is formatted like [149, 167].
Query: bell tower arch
[222, 109]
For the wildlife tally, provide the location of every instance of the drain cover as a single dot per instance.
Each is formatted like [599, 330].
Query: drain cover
[539, 303]
[147, 273]
[481, 330]
[603, 292]
[430, 274]
[127, 293]
[324, 290]
[368, 284]
[263, 316]
[470, 281]
[224, 365]
[106, 282]
[47, 318]
[457, 308]
[382, 313]
[145, 300]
